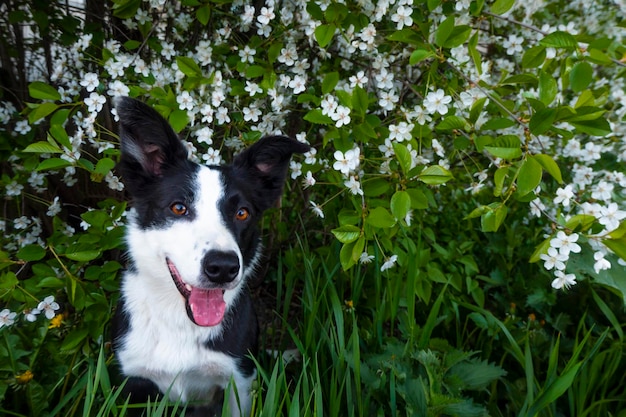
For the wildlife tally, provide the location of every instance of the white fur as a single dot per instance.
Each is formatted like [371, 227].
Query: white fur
[164, 345]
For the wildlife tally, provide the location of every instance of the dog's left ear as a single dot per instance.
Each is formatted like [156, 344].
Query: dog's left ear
[264, 165]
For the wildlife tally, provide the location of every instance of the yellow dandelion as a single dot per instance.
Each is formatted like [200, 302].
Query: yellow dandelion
[24, 378]
[56, 321]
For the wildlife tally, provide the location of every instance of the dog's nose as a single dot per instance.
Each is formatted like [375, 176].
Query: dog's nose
[221, 267]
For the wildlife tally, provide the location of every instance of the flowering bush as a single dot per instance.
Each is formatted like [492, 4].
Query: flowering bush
[453, 143]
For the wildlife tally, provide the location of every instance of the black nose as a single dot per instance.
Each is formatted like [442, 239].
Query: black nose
[221, 267]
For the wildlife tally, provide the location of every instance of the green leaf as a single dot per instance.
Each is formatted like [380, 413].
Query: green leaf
[529, 176]
[580, 76]
[491, 220]
[435, 175]
[444, 31]
[403, 155]
[203, 14]
[380, 217]
[39, 111]
[178, 119]
[539, 250]
[548, 88]
[418, 198]
[559, 40]
[125, 9]
[188, 66]
[534, 57]
[330, 82]
[52, 164]
[83, 256]
[346, 256]
[324, 34]
[400, 204]
[505, 149]
[458, 36]
[42, 147]
[618, 246]
[550, 166]
[451, 123]
[317, 117]
[31, 253]
[476, 374]
[43, 91]
[347, 233]
[375, 187]
[597, 127]
[419, 55]
[542, 120]
[501, 6]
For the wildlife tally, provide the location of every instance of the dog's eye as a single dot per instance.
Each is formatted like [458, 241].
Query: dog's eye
[242, 214]
[179, 209]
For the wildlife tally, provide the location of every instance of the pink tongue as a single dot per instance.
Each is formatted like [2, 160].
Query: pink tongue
[207, 306]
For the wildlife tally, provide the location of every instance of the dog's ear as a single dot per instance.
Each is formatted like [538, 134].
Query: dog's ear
[264, 166]
[148, 143]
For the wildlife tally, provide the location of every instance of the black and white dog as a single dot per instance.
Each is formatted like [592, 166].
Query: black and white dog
[185, 324]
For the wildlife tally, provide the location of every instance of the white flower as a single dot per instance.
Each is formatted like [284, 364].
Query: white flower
[308, 180]
[247, 54]
[7, 317]
[601, 263]
[353, 185]
[54, 208]
[436, 102]
[204, 135]
[565, 243]
[266, 15]
[366, 258]
[185, 101]
[95, 102]
[346, 162]
[296, 169]
[564, 195]
[298, 84]
[167, 50]
[602, 191]
[222, 116]
[317, 209]
[611, 216]
[48, 306]
[212, 157]
[31, 315]
[513, 44]
[402, 17]
[341, 116]
[563, 280]
[389, 263]
[22, 127]
[252, 88]
[358, 80]
[328, 105]
[118, 89]
[90, 81]
[554, 259]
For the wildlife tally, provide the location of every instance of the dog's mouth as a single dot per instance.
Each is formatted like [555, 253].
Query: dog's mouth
[204, 307]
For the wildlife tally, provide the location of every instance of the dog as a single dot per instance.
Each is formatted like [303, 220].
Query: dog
[185, 324]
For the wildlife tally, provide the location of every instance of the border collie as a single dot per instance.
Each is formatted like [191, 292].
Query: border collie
[185, 324]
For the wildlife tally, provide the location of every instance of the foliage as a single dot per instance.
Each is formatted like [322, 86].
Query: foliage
[466, 156]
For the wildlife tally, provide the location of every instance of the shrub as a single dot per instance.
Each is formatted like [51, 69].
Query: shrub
[461, 214]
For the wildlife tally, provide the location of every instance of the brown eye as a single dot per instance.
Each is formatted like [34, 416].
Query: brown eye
[242, 214]
[179, 209]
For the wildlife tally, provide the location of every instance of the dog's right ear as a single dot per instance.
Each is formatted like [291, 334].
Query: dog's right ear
[148, 143]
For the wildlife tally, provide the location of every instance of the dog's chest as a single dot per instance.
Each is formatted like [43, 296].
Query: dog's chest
[172, 353]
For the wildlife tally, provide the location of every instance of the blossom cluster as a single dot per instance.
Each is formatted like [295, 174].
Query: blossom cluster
[249, 92]
[47, 306]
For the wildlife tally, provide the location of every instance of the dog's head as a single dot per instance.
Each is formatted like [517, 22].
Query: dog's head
[193, 229]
